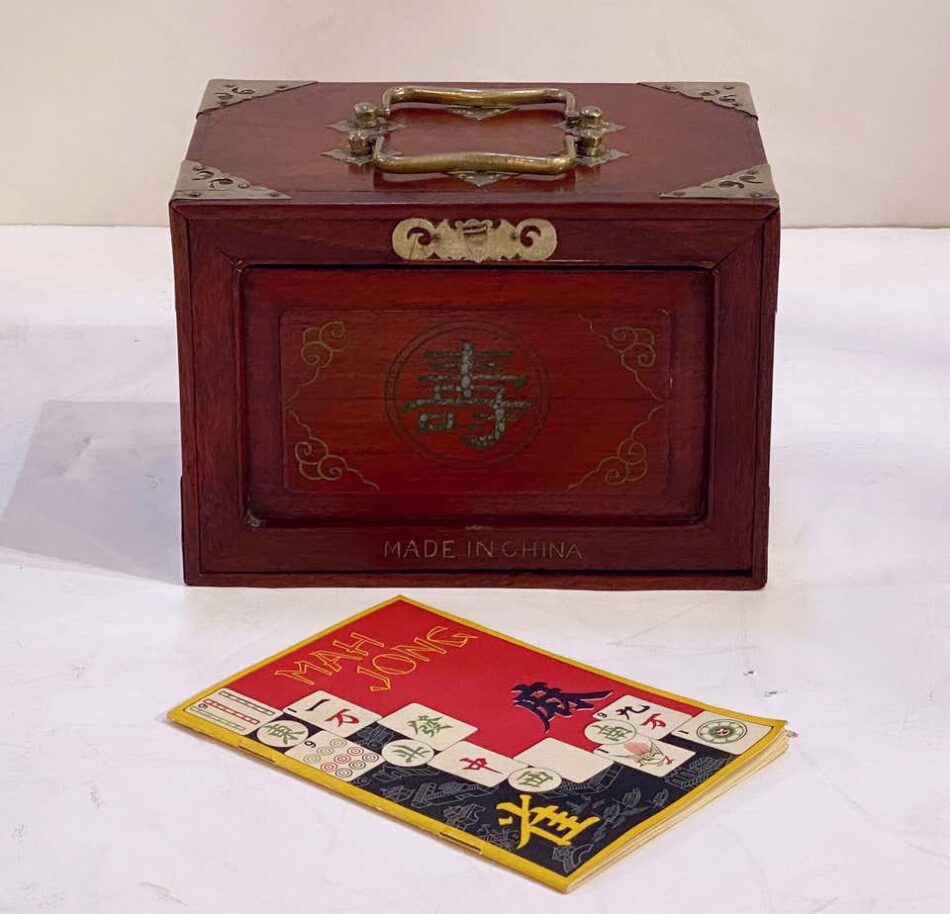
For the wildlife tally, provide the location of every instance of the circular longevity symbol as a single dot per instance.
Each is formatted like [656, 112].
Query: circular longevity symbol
[722, 731]
[610, 731]
[467, 394]
[406, 753]
[534, 780]
[281, 734]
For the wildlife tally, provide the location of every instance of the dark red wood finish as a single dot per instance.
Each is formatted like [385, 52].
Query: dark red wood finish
[252, 276]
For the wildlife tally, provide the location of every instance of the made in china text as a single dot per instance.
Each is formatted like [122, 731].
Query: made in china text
[452, 549]
[374, 659]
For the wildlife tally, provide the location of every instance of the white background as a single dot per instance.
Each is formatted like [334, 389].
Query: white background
[99, 96]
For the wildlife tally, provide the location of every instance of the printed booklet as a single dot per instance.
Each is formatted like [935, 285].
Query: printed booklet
[547, 766]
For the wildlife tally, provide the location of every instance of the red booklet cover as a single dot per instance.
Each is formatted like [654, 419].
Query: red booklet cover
[537, 762]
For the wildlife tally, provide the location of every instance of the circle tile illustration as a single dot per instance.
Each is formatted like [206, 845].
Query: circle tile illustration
[467, 394]
[722, 731]
[282, 734]
[610, 731]
[534, 780]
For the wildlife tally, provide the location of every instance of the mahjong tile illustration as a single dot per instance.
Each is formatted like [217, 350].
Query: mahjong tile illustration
[330, 712]
[407, 753]
[475, 763]
[711, 728]
[429, 726]
[534, 780]
[645, 754]
[648, 717]
[610, 731]
[233, 710]
[575, 764]
[335, 755]
[282, 733]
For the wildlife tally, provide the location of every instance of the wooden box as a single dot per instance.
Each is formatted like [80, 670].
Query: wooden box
[493, 336]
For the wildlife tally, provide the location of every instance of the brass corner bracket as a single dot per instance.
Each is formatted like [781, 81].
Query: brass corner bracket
[753, 183]
[204, 182]
[222, 93]
[737, 96]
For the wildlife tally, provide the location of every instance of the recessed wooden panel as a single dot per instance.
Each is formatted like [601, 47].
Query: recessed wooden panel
[486, 394]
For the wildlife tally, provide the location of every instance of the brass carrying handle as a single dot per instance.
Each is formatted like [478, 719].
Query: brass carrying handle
[368, 139]
[477, 98]
[435, 162]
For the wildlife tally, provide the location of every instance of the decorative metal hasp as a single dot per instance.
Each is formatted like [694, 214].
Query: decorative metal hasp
[476, 240]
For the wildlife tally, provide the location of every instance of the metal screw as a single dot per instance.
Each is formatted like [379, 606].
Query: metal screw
[588, 143]
[359, 142]
[365, 114]
[592, 116]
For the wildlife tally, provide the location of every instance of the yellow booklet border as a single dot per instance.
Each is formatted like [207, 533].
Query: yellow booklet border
[440, 829]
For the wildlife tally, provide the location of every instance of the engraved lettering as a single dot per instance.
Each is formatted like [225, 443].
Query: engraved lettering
[451, 550]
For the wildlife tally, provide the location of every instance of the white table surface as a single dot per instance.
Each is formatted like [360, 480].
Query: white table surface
[106, 807]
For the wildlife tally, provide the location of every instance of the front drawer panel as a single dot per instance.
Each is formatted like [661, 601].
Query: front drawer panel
[481, 396]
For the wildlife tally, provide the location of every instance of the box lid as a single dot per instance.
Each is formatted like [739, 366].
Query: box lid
[293, 142]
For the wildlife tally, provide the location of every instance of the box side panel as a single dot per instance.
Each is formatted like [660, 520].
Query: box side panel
[190, 523]
[770, 267]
